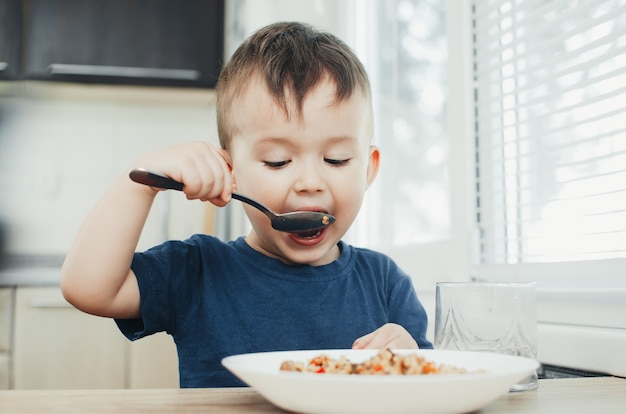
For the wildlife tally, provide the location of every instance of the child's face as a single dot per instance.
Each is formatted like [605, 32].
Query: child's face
[321, 161]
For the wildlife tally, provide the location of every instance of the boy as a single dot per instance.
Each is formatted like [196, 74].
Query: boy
[295, 125]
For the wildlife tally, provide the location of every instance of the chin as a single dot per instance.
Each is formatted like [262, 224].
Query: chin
[316, 255]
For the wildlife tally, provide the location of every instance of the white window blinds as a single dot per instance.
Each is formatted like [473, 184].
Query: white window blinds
[550, 130]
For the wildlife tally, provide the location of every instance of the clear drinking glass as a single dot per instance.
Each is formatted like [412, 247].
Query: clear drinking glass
[492, 317]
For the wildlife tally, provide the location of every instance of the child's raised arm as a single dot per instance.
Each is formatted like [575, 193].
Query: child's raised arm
[96, 276]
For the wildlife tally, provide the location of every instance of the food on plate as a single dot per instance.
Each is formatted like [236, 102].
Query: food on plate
[385, 362]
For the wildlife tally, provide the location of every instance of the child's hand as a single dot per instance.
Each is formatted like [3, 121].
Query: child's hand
[203, 170]
[390, 335]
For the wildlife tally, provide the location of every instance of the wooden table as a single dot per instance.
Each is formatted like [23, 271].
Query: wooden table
[601, 395]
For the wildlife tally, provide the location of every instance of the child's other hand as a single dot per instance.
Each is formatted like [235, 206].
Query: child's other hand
[203, 170]
[390, 335]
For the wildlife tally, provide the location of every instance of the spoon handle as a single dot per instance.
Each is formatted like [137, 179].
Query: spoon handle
[143, 176]
[151, 179]
[254, 203]
[293, 222]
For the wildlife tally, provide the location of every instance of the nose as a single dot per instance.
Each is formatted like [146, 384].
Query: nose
[309, 178]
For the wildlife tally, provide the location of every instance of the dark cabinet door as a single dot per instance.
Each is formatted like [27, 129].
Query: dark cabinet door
[161, 42]
[10, 24]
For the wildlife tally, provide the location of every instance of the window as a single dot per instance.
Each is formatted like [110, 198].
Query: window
[551, 140]
[549, 99]
[549, 103]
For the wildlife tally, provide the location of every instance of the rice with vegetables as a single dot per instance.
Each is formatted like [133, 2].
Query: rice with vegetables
[385, 362]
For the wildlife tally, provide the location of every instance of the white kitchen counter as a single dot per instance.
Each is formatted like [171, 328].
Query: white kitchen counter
[30, 276]
[31, 271]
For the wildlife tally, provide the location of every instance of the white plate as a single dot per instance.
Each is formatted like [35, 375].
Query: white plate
[390, 394]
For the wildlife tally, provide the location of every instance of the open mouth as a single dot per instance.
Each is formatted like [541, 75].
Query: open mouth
[309, 234]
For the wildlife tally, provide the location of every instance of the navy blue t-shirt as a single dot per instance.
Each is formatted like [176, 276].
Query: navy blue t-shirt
[218, 299]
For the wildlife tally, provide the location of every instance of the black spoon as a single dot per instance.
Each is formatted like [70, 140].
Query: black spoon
[293, 222]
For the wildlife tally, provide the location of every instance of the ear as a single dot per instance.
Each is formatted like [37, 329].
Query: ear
[373, 164]
[225, 154]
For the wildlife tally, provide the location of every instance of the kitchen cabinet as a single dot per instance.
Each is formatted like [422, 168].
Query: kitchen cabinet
[59, 347]
[137, 42]
[10, 39]
[153, 363]
[6, 317]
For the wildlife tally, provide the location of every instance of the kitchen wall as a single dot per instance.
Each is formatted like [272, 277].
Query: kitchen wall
[62, 145]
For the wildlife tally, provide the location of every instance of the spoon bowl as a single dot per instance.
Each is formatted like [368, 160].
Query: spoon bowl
[292, 222]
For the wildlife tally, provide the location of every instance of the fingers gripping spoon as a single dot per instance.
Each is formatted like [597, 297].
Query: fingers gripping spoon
[293, 222]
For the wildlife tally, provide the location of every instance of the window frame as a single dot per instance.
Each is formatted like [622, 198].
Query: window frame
[580, 305]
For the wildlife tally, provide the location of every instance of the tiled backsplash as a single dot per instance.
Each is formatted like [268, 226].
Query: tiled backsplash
[61, 146]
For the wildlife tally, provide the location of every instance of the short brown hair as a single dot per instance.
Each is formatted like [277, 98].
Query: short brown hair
[289, 56]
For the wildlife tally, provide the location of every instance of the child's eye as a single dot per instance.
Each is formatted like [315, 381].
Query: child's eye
[337, 163]
[276, 164]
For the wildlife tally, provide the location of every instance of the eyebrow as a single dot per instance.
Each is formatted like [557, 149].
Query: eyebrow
[283, 140]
